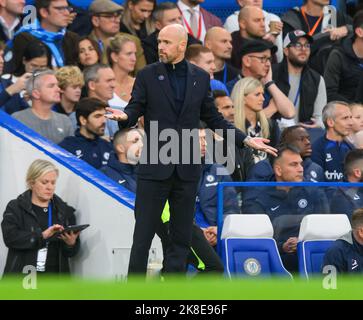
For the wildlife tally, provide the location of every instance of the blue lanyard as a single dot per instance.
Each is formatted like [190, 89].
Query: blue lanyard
[100, 45]
[50, 214]
[225, 75]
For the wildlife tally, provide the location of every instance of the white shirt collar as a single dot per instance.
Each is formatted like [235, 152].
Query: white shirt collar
[183, 7]
[9, 30]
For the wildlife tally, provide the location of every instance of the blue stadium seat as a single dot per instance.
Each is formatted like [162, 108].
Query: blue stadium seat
[317, 234]
[248, 248]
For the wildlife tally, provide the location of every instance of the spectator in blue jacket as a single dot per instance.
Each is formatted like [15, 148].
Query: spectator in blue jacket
[329, 150]
[286, 200]
[298, 137]
[346, 254]
[87, 143]
[122, 165]
[346, 200]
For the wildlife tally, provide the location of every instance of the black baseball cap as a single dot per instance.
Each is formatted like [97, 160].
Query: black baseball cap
[293, 36]
[252, 46]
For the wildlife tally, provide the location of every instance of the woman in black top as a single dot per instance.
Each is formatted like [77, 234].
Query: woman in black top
[32, 224]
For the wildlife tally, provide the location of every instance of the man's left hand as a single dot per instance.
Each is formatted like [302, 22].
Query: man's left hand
[260, 144]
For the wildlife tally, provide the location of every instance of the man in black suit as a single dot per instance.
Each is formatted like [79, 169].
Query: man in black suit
[174, 95]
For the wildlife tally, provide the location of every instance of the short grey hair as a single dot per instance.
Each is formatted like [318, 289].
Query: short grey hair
[329, 111]
[91, 73]
[158, 12]
[35, 80]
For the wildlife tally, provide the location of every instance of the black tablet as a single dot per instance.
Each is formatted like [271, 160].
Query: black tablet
[75, 227]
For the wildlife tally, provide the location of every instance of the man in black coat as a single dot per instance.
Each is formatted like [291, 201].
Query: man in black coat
[172, 95]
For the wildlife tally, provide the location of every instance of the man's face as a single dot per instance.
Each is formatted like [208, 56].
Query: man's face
[95, 123]
[171, 16]
[14, 7]
[169, 46]
[258, 63]
[256, 3]
[298, 53]
[320, 2]
[205, 60]
[225, 107]
[47, 89]
[342, 124]
[133, 146]
[107, 23]
[254, 23]
[141, 11]
[57, 13]
[72, 93]
[301, 139]
[105, 85]
[221, 44]
[289, 168]
[202, 142]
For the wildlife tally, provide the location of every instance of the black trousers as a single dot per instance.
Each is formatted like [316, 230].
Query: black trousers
[151, 196]
[201, 249]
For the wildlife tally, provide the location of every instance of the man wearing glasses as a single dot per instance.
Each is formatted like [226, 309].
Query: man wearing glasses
[53, 18]
[303, 85]
[105, 18]
[256, 57]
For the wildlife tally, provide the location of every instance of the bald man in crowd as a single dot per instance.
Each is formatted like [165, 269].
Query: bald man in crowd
[219, 41]
[171, 94]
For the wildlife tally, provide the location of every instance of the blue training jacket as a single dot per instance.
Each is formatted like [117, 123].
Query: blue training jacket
[330, 156]
[96, 151]
[206, 206]
[123, 173]
[346, 255]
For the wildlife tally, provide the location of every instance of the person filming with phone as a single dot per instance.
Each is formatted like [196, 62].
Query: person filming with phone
[33, 225]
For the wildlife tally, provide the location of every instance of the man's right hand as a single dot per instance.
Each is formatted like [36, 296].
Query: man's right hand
[115, 114]
[290, 245]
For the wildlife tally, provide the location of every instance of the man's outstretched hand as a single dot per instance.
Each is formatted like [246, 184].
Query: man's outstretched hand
[115, 114]
[260, 144]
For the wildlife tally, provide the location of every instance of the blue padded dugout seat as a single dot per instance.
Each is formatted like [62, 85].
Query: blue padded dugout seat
[248, 248]
[317, 234]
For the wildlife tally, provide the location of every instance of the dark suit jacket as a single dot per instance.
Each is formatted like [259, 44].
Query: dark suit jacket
[152, 97]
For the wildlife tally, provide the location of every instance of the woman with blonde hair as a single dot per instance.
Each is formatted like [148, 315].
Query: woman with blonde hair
[121, 55]
[248, 98]
[33, 223]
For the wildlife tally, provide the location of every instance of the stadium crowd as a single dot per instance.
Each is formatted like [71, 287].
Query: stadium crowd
[296, 80]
